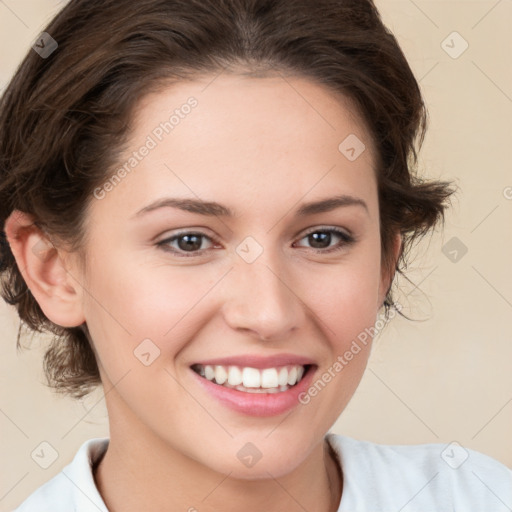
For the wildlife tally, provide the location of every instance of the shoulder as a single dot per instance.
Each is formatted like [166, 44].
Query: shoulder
[440, 477]
[73, 489]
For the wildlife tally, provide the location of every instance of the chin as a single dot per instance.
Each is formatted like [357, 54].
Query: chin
[246, 460]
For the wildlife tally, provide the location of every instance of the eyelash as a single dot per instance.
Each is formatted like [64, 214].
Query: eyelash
[345, 237]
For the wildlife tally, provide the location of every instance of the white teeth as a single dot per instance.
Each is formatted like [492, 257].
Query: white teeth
[282, 378]
[269, 378]
[292, 376]
[234, 376]
[220, 375]
[253, 380]
[209, 372]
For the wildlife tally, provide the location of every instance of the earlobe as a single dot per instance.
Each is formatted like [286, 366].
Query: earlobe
[45, 271]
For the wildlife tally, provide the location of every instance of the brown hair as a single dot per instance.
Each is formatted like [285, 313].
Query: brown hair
[64, 119]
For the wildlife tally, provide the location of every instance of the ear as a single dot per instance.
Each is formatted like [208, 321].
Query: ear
[388, 274]
[45, 271]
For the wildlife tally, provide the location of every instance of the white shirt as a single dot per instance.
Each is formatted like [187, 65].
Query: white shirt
[376, 478]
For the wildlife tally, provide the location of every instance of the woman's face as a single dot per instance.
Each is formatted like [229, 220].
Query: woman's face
[261, 295]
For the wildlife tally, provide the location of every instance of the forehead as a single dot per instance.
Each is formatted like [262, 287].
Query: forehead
[231, 106]
[247, 139]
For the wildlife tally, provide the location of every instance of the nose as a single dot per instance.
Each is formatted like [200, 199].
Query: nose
[263, 298]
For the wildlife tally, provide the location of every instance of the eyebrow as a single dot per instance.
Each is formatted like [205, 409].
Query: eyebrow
[212, 208]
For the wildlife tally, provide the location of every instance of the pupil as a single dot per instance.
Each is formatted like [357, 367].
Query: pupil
[316, 236]
[192, 242]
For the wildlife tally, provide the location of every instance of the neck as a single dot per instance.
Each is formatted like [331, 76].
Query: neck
[148, 475]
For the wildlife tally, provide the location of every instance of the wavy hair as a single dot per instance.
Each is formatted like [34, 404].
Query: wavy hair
[64, 118]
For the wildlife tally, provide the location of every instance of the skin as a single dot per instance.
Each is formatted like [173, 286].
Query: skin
[262, 147]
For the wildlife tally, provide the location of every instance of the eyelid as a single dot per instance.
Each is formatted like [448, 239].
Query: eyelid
[314, 229]
[168, 235]
[164, 243]
[346, 235]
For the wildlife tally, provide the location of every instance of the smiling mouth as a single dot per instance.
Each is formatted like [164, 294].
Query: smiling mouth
[253, 380]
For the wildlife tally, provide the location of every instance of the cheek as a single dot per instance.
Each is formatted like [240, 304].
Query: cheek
[128, 302]
[132, 300]
[345, 296]
[345, 306]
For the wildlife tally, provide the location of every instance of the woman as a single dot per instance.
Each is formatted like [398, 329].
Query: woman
[207, 202]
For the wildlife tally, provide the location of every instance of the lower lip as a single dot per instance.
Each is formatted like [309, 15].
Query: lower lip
[258, 404]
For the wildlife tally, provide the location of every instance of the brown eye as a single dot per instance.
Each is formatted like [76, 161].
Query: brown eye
[320, 239]
[185, 244]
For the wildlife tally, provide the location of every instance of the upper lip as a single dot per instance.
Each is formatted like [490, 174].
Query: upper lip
[260, 362]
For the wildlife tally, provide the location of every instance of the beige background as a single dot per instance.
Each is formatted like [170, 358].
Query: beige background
[447, 378]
